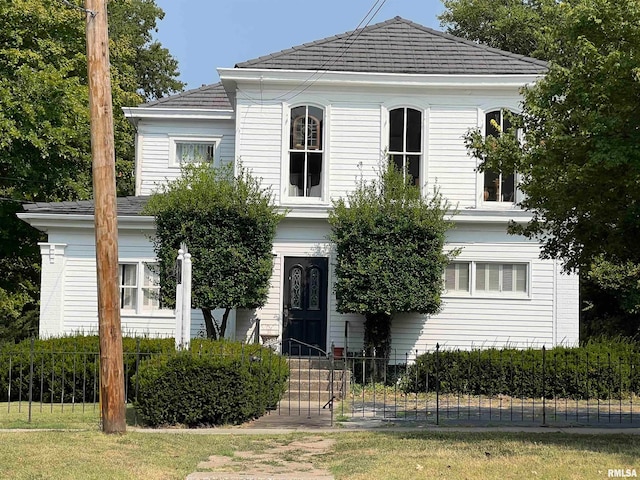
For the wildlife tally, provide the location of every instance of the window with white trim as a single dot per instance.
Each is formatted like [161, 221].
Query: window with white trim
[405, 141]
[498, 187]
[306, 152]
[186, 150]
[501, 277]
[195, 152]
[456, 277]
[139, 286]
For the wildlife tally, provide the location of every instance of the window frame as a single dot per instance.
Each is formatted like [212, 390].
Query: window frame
[140, 286]
[288, 148]
[489, 294]
[174, 140]
[405, 153]
[458, 291]
[496, 204]
[501, 279]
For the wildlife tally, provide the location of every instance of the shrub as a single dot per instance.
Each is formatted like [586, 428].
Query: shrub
[216, 383]
[66, 368]
[596, 370]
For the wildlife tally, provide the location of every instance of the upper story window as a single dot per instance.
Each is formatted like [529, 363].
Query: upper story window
[192, 150]
[139, 286]
[405, 141]
[306, 152]
[498, 187]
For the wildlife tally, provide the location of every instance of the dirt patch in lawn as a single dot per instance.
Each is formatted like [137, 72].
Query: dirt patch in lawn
[275, 460]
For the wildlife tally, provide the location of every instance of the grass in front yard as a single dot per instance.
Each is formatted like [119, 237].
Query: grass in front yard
[390, 455]
[355, 455]
[93, 455]
[67, 416]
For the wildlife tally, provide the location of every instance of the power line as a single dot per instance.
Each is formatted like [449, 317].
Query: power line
[319, 72]
[359, 30]
[93, 13]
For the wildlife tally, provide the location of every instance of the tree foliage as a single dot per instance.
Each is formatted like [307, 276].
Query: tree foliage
[511, 25]
[580, 159]
[45, 152]
[228, 223]
[389, 242]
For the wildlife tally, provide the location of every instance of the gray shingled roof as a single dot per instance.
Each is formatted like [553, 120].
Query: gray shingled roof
[127, 207]
[208, 96]
[398, 46]
[394, 46]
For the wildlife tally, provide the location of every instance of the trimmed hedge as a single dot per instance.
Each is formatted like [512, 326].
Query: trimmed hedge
[66, 368]
[598, 370]
[216, 383]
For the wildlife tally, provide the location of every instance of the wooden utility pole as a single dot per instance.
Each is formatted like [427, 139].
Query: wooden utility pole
[106, 219]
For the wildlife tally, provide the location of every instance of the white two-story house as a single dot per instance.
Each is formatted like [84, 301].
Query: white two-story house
[310, 122]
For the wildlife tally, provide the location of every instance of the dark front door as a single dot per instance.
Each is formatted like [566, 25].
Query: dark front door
[305, 305]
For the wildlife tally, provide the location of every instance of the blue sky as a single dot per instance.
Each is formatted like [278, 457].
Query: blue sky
[206, 34]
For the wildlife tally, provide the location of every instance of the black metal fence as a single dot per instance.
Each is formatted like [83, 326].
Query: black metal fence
[41, 380]
[541, 387]
[533, 387]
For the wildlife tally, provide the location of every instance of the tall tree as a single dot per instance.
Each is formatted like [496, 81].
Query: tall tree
[44, 116]
[511, 25]
[389, 242]
[228, 223]
[579, 162]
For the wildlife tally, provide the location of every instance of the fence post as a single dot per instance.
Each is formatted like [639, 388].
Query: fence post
[135, 393]
[544, 384]
[437, 384]
[256, 338]
[9, 384]
[331, 379]
[179, 298]
[31, 376]
[374, 377]
[346, 338]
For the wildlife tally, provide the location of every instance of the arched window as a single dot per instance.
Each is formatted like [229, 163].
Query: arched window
[305, 152]
[498, 187]
[405, 141]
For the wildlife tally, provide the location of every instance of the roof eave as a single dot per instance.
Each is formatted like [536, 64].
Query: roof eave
[190, 113]
[45, 221]
[232, 76]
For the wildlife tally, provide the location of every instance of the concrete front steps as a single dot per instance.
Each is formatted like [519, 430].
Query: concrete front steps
[310, 380]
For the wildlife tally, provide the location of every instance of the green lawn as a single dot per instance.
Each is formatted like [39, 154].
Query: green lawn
[355, 455]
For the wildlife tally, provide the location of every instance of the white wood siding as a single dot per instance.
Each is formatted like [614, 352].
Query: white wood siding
[567, 301]
[465, 322]
[52, 288]
[355, 138]
[354, 146]
[260, 142]
[155, 142]
[448, 164]
[77, 293]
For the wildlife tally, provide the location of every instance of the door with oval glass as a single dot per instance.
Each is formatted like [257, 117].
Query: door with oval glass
[305, 305]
